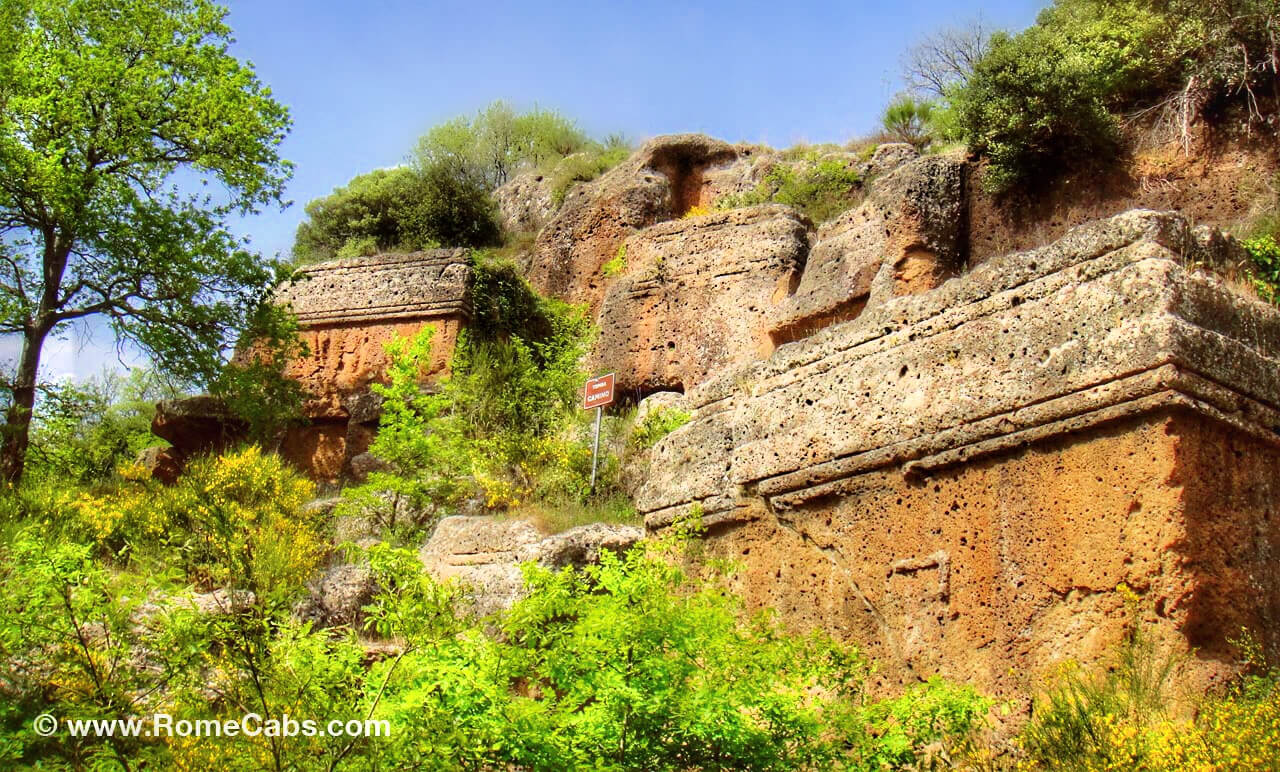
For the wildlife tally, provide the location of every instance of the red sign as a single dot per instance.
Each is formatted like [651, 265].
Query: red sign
[598, 392]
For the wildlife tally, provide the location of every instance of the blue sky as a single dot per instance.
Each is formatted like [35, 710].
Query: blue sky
[364, 80]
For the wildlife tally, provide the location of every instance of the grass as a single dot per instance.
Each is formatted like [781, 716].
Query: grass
[555, 518]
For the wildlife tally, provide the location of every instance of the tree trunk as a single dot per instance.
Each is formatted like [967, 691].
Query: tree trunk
[17, 429]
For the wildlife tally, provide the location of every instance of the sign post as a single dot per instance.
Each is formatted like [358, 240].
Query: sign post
[597, 394]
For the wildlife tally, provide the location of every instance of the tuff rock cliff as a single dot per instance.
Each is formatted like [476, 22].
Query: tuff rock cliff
[947, 453]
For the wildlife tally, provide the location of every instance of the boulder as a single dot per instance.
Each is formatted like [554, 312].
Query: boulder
[583, 545]
[365, 463]
[887, 157]
[525, 202]
[162, 463]
[657, 401]
[485, 553]
[338, 597]
[195, 425]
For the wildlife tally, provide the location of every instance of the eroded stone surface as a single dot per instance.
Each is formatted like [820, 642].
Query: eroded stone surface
[696, 295]
[661, 181]
[524, 202]
[958, 478]
[906, 238]
[485, 554]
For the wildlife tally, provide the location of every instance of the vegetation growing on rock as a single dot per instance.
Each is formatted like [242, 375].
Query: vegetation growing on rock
[819, 187]
[1055, 95]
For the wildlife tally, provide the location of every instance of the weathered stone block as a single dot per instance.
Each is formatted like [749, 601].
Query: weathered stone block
[697, 295]
[958, 479]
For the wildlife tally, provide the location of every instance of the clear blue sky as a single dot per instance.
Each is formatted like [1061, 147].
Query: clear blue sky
[364, 80]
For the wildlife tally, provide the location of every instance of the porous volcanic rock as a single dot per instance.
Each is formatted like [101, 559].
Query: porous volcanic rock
[661, 181]
[887, 157]
[485, 553]
[348, 311]
[161, 463]
[524, 202]
[195, 425]
[958, 479]
[908, 235]
[338, 596]
[696, 296]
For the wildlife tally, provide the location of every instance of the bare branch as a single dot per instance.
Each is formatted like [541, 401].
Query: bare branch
[946, 57]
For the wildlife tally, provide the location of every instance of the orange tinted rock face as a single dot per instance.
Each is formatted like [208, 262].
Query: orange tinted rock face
[344, 359]
[696, 297]
[997, 571]
[661, 181]
[959, 478]
[348, 310]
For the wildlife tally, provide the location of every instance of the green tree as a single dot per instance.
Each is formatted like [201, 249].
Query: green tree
[401, 209]
[83, 432]
[105, 107]
[490, 147]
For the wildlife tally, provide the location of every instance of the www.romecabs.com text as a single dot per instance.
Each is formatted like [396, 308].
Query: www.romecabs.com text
[248, 725]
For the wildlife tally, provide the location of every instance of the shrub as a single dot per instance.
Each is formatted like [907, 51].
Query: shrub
[585, 166]
[1073, 722]
[1050, 98]
[401, 209]
[658, 424]
[617, 264]
[821, 189]
[486, 150]
[1235, 728]
[909, 120]
[229, 519]
[502, 425]
[83, 432]
[631, 664]
[1032, 108]
[1265, 254]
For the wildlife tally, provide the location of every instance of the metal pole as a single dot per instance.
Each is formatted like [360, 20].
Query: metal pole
[595, 450]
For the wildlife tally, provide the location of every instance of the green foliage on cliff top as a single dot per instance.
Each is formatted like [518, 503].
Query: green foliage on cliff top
[1053, 96]
[489, 148]
[820, 188]
[396, 210]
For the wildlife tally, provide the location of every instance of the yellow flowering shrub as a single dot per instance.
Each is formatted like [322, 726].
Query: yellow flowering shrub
[1123, 719]
[243, 512]
[229, 518]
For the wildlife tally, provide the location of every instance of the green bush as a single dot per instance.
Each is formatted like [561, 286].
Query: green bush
[585, 166]
[1124, 716]
[1265, 253]
[401, 209]
[1034, 107]
[658, 424]
[1071, 722]
[1051, 97]
[909, 120]
[821, 189]
[632, 665]
[617, 264]
[502, 426]
[488, 149]
[83, 432]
